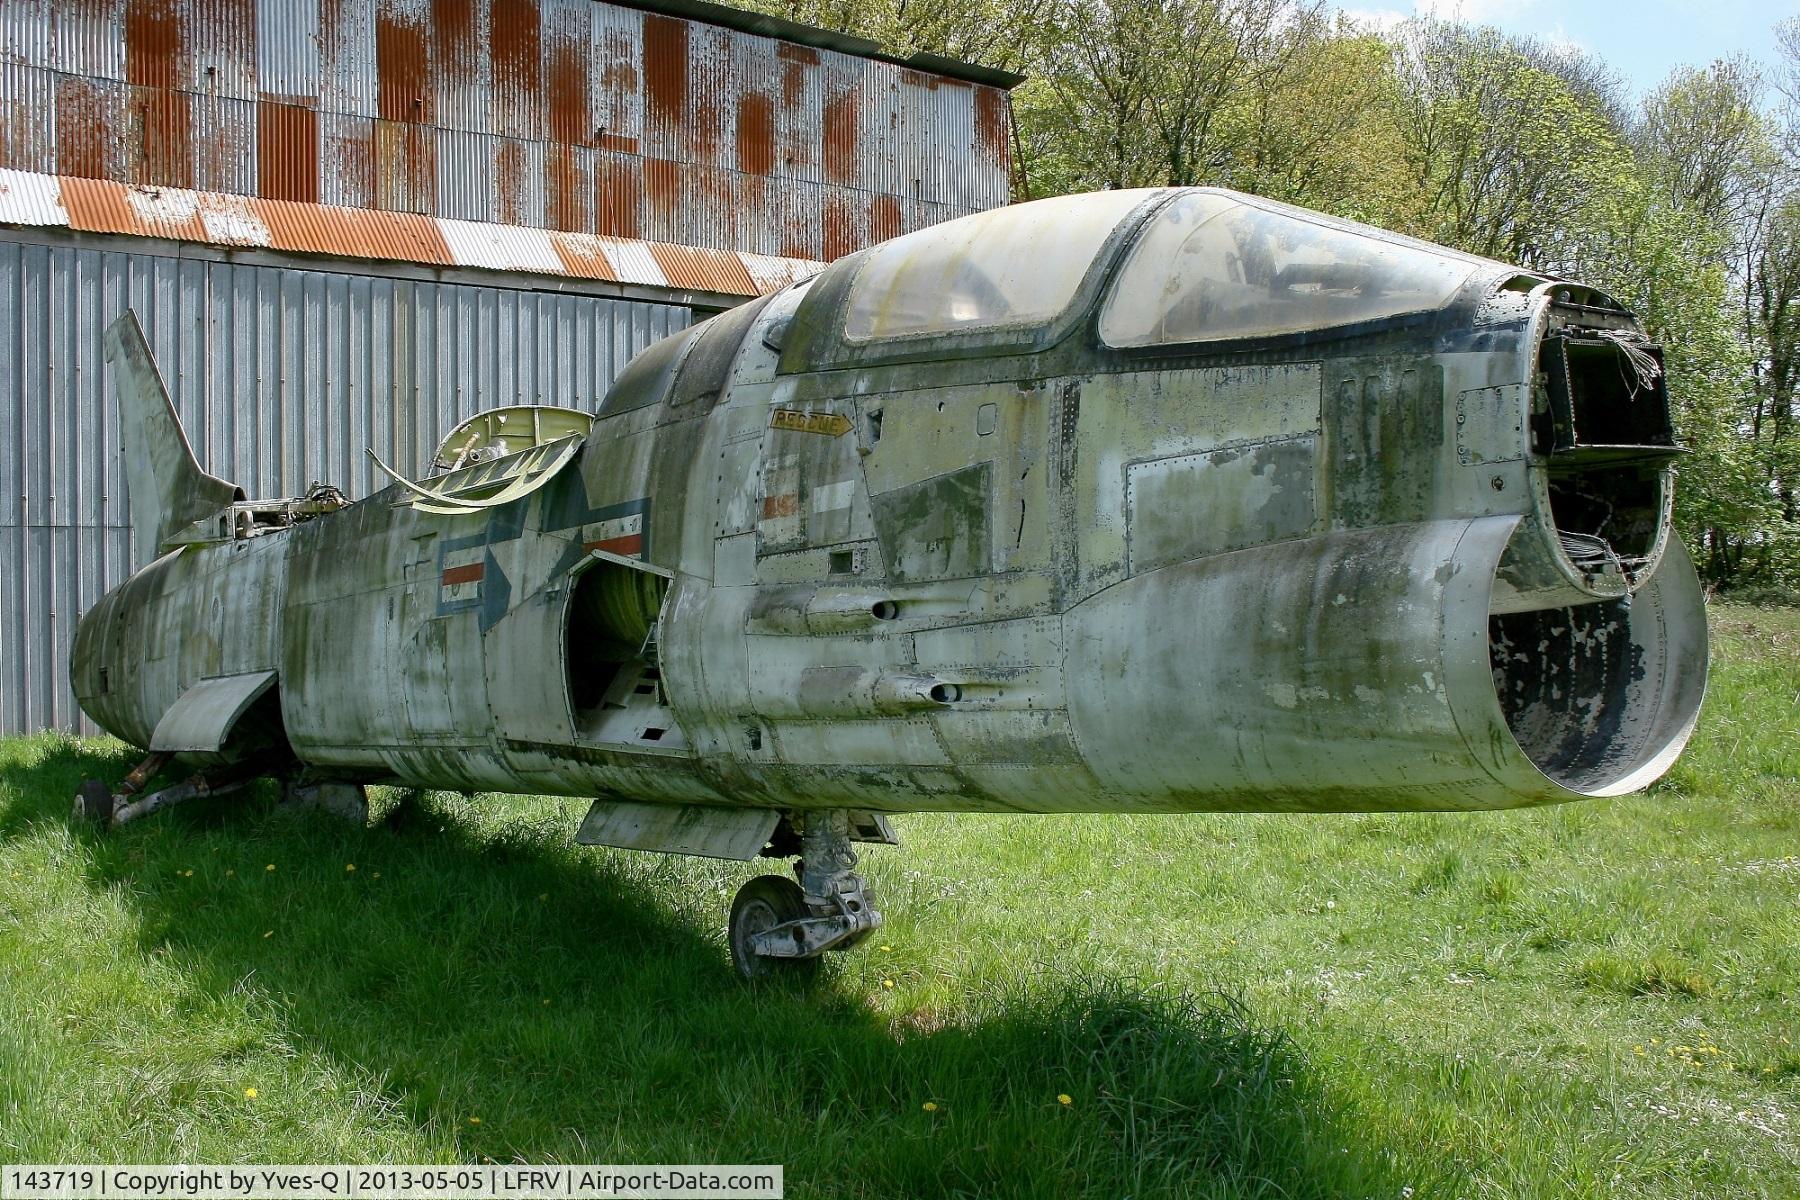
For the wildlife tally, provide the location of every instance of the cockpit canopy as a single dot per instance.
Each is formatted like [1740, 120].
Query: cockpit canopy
[1199, 265]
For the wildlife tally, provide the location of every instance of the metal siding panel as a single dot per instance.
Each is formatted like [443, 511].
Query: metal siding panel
[87, 39]
[15, 382]
[287, 50]
[348, 78]
[224, 145]
[27, 118]
[346, 160]
[281, 375]
[618, 55]
[25, 31]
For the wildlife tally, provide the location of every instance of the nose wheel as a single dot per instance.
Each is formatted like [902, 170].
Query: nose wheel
[766, 903]
[779, 927]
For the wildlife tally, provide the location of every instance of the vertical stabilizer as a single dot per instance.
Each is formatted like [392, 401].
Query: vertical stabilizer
[169, 491]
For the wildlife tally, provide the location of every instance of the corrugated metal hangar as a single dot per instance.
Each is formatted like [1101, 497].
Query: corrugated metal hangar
[349, 224]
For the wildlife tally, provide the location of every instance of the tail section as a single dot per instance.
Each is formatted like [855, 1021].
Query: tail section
[169, 491]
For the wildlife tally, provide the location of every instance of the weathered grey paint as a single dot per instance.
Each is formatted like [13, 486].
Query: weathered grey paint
[282, 376]
[1038, 575]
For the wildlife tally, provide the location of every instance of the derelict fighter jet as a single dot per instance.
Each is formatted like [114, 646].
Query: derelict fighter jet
[1170, 500]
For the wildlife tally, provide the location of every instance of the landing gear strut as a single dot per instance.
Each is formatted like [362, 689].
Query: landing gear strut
[780, 927]
[99, 804]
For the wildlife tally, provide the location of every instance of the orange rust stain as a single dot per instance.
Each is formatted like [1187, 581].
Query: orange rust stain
[567, 92]
[756, 134]
[666, 71]
[702, 270]
[509, 180]
[619, 142]
[617, 185]
[454, 49]
[581, 256]
[153, 43]
[776, 507]
[518, 62]
[164, 143]
[662, 186]
[991, 124]
[83, 129]
[568, 195]
[837, 227]
[401, 63]
[351, 232]
[793, 84]
[840, 136]
[100, 206]
[795, 53]
[287, 152]
[884, 218]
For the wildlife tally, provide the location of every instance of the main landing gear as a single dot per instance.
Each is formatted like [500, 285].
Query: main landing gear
[100, 805]
[780, 928]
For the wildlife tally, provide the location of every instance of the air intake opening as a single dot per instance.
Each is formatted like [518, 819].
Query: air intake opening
[1601, 697]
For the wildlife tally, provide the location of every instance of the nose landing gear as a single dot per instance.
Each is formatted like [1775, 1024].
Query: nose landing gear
[779, 927]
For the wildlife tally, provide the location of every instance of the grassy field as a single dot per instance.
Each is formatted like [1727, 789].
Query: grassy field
[1597, 1000]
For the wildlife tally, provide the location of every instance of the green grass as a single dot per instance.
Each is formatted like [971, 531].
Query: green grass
[1595, 1000]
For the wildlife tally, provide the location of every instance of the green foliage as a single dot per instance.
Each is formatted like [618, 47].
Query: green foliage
[1587, 1001]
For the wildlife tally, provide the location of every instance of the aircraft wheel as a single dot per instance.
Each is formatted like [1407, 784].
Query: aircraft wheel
[762, 904]
[94, 803]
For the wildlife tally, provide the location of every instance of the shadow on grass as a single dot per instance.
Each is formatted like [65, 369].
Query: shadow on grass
[582, 1007]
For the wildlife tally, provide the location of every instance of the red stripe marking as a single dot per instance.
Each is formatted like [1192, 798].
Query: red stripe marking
[631, 543]
[469, 574]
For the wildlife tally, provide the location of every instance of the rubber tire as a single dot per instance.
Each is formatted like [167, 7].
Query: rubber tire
[94, 803]
[763, 903]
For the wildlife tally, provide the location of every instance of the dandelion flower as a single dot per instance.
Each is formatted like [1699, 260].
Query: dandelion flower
[546, 1002]
[1638, 1050]
[270, 867]
[474, 1120]
[249, 1093]
[887, 949]
[930, 1106]
[188, 873]
[1064, 1099]
[349, 866]
[887, 983]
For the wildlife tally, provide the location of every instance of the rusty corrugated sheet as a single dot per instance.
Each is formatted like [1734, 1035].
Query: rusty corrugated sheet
[281, 377]
[27, 199]
[225, 219]
[705, 270]
[568, 114]
[353, 232]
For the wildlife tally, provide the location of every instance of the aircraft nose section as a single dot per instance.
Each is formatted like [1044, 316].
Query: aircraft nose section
[1352, 671]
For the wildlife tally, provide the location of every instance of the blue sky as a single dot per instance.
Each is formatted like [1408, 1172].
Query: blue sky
[1641, 41]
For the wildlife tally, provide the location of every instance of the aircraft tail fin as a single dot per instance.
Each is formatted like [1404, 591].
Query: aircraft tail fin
[169, 491]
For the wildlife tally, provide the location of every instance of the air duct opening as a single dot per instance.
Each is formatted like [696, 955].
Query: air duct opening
[1601, 697]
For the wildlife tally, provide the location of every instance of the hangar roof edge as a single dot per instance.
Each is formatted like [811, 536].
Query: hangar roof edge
[749, 21]
[224, 219]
